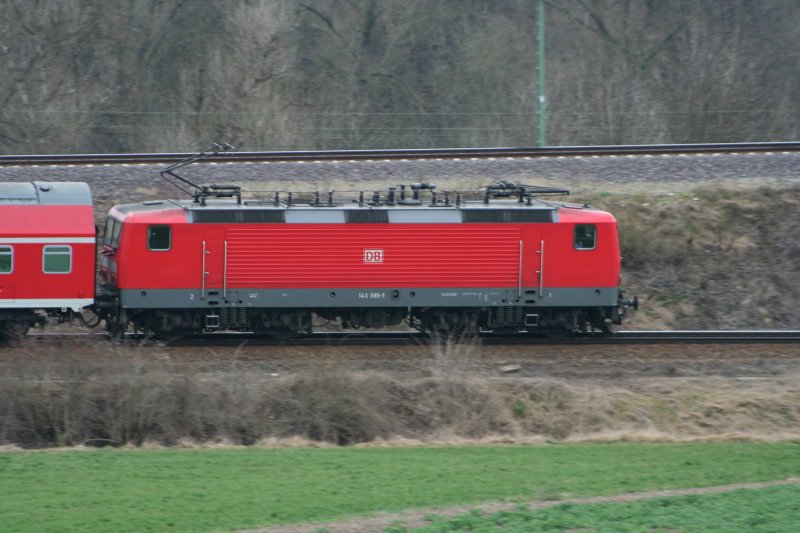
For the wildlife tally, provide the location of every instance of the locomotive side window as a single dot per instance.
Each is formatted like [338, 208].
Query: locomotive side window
[159, 238]
[585, 236]
[6, 259]
[57, 260]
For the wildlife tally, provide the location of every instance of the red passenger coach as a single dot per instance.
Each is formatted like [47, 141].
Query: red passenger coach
[47, 252]
[508, 261]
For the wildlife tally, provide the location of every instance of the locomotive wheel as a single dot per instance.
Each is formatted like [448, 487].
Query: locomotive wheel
[13, 330]
[606, 328]
[117, 324]
[456, 326]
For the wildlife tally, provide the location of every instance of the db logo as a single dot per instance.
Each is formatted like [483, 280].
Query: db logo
[373, 255]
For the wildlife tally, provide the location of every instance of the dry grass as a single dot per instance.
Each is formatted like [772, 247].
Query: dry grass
[133, 397]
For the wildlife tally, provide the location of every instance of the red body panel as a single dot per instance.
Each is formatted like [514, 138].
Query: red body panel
[318, 256]
[28, 229]
[333, 255]
[46, 221]
[29, 282]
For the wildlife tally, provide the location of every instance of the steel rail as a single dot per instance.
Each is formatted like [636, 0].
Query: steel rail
[715, 335]
[373, 155]
[686, 337]
[382, 338]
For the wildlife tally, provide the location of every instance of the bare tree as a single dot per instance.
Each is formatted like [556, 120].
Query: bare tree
[50, 89]
[726, 79]
[633, 71]
[118, 75]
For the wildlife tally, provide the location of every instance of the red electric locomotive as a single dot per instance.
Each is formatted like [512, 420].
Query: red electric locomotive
[506, 261]
[47, 253]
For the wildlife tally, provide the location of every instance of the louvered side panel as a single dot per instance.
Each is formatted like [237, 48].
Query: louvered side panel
[312, 256]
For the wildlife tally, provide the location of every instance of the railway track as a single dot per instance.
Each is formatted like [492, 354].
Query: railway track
[413, 337]
[432, 153]
[404, 338]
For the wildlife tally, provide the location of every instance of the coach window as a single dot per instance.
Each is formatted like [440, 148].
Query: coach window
[57, 260]
[585, 236]
[159, 238]
[6, 259]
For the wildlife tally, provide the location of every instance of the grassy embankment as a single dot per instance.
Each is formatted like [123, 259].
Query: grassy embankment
[227, 489]
[710, 257]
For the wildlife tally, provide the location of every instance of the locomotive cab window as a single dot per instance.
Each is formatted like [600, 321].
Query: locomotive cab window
[6, 259]
[115, 233]
[159, 238]
[57, 259]
[111, 232]
[585, 236]
[107, 231]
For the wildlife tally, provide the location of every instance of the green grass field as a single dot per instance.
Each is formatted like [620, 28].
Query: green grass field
[217, 490]
[768, 510]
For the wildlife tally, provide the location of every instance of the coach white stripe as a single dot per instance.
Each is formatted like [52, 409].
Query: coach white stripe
[47, 240]
[76, 304]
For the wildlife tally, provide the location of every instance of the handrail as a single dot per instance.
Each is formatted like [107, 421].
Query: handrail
[519, 277]
[203, 277]
[541, 269]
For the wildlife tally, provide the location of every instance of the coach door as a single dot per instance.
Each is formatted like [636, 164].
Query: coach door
[6, 293]
[214, 264]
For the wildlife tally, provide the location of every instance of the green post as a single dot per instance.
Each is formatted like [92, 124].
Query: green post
[541, 99]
